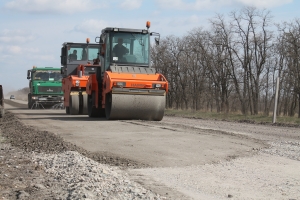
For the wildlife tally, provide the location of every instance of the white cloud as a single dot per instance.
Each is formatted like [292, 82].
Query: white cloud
[131, 4]
[54, 6]
[16, 36]
[91, 26]
[156, 13]
[264, 3]
[181, 5]
[31, 50]
[210, 4]
[180, 25]
[10, 50]
[39, 58]
[13, 49]
[185, 21]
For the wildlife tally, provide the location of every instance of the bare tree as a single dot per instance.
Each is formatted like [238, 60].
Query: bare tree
[233, 65]
[250, 51]
[290, 35]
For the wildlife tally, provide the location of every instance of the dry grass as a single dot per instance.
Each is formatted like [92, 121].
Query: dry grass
[260, 118]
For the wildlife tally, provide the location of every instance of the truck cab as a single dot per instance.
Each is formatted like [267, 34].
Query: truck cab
[45, 87]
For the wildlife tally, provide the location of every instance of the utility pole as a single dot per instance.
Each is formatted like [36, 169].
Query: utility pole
[276, 100]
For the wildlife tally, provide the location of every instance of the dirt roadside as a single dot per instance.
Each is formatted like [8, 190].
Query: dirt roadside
[266, 173]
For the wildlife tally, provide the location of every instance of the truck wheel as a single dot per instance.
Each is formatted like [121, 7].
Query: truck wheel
[74, 104]
[29, 101]
[1, 112]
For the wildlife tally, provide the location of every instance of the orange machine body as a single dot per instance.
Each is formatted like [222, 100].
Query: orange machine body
[128, 83]
[74, 83]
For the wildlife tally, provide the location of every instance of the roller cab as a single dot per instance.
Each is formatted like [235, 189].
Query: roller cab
[76, 59]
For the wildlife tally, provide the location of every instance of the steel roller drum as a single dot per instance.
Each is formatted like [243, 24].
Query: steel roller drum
[133, 106]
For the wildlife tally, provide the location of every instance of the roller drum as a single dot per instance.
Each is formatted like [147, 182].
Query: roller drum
[132, 106]
[84, 104]
[74, 105]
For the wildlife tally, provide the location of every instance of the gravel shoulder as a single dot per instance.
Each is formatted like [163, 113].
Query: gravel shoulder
[271, 172]
[37, 164]
[266, 175]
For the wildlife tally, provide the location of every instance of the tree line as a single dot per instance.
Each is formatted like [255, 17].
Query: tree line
[233, 65]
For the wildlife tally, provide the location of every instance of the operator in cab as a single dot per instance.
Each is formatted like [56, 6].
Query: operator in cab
[119, 50]
[73, 56]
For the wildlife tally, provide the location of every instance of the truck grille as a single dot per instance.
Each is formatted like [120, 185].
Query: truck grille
[49, 89]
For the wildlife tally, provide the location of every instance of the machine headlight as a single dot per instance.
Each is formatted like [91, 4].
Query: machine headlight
[34, 97]
[157, 85]
[62, 98]
[121, 84]
[77, 83]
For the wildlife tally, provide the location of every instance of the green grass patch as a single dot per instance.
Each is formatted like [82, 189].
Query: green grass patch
[260, 118]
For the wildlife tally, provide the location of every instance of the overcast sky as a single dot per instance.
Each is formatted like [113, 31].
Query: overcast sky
[32, 31]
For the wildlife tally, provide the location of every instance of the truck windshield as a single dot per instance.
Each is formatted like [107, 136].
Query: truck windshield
[132, 48]
[82, 52]
[46, 75]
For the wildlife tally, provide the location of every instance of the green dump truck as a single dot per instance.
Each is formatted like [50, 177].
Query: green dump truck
[45, 87]
[1, 102]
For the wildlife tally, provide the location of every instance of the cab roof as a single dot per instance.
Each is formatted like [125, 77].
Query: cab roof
[115, 29]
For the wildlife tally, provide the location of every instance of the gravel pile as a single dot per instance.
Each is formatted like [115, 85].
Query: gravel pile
[288, 149]
[83, 178]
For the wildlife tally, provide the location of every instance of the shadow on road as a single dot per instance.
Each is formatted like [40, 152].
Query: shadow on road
[65, 118]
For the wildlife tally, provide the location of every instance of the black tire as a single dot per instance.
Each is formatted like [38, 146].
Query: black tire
[102, 112]
[1, 112]
[92, 110]
[29, 101]
[108, 102]
[67, 110]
